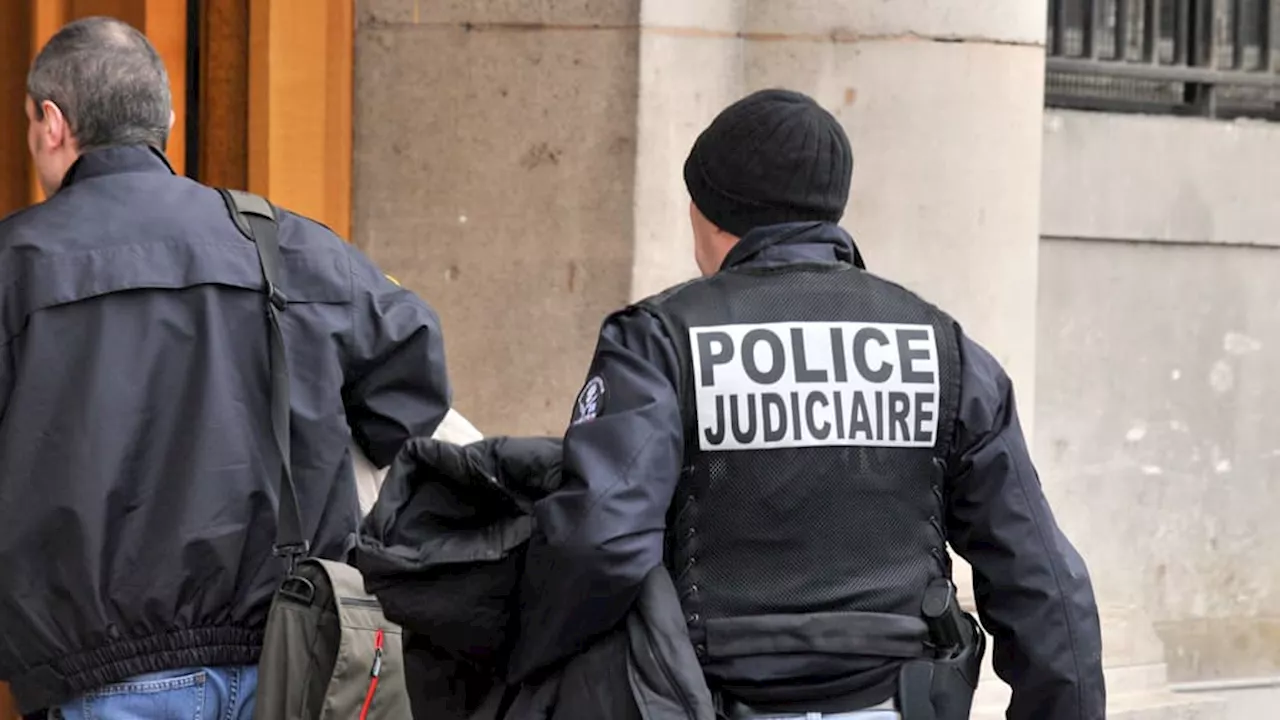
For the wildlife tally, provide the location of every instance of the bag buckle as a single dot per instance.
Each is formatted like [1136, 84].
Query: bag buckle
[291, 552]
[277, 297]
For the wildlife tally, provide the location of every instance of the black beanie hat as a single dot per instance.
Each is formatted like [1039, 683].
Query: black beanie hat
[774, 156]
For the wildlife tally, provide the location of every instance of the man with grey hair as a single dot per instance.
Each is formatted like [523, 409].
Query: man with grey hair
[97, 84]
[137, 462]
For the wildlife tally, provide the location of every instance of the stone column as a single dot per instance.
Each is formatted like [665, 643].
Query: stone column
[493, 174]
[519, 163]
[942, 100]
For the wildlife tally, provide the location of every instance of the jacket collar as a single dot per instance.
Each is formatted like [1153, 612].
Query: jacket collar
[793, 243]
[115, 161]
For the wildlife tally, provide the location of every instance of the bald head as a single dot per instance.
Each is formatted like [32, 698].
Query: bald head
[107, 80]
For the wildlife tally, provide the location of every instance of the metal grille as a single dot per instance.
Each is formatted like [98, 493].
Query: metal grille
[1211, 58]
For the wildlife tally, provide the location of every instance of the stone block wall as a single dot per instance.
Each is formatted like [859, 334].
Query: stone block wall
[494, 172]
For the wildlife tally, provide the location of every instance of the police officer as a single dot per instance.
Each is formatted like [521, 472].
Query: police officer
[799, 440]
[137, 464]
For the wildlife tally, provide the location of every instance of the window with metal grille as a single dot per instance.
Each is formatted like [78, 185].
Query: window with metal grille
[1210, 58]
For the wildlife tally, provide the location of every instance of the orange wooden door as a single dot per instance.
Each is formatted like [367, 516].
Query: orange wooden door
[15, 56]
[300, 99]
[8, 711]
[28, 25]
[273, 85]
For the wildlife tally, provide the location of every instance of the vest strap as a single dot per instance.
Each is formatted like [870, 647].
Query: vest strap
[837, 633]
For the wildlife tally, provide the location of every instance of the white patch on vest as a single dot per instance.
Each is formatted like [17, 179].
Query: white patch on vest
[815, 384]
[590, 402]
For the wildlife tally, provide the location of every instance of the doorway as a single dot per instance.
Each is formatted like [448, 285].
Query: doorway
[261, 94]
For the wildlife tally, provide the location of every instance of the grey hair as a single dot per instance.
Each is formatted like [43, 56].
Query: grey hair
[109, 82]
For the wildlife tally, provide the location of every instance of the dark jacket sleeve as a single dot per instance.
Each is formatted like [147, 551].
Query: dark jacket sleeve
[1032, 588]
[602, 532]
[6, 376]
[396, 384]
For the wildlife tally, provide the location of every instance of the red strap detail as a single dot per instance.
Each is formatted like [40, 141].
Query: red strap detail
[374, 672]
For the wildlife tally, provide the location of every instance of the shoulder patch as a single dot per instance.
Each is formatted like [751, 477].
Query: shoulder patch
[393, 280]
[590, 401]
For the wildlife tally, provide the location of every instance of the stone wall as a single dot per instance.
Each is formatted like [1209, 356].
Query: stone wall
[494, 174]
[519, 164]
[942, 100]
[1159, 336]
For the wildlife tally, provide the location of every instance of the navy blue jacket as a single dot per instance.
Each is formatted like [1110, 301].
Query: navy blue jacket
[622, 461]
[137, 467]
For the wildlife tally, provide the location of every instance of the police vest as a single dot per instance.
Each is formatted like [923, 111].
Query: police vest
[819, 404]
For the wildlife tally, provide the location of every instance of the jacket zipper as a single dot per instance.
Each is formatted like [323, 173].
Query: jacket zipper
[374, 672]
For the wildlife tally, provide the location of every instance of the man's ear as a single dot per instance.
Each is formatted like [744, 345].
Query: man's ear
[56, 129]
[173, 117]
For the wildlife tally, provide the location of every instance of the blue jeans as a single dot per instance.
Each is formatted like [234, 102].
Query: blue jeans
[884, 711]
[855, 715]
[209, 693]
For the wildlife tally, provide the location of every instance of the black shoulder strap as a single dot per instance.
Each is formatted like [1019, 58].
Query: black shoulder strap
[256, 219]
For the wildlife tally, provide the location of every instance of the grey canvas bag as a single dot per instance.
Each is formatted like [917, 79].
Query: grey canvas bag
[329, 653]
